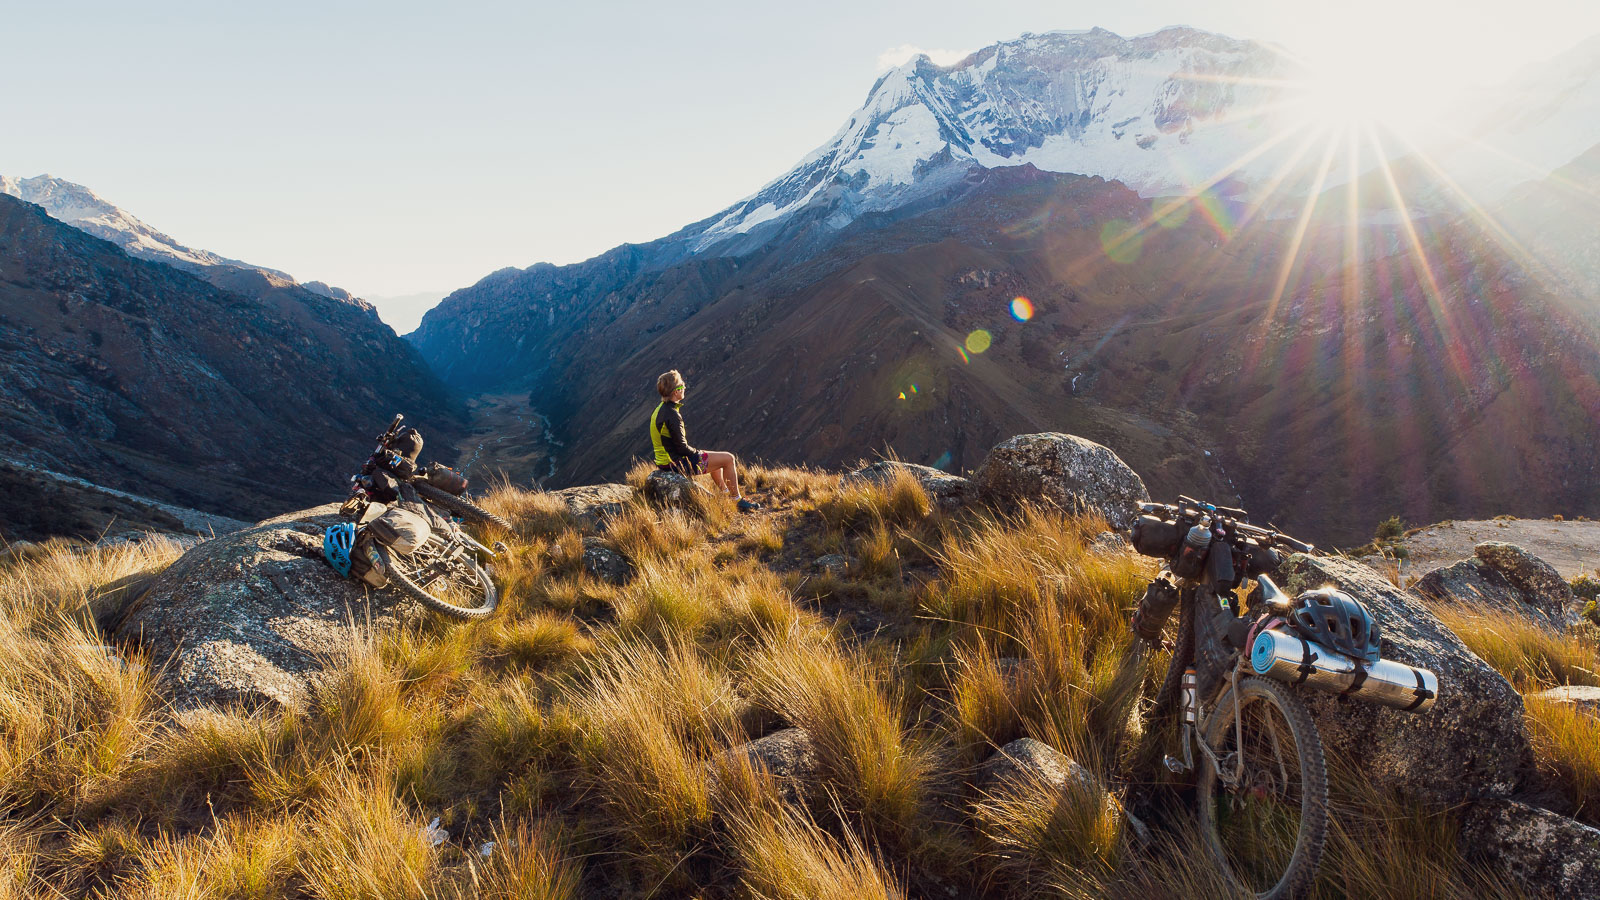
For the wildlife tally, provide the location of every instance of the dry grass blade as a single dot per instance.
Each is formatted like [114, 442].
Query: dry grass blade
[785, 857]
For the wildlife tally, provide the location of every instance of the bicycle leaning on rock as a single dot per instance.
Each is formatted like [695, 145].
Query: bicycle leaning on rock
[1261, 784]
[397, 534]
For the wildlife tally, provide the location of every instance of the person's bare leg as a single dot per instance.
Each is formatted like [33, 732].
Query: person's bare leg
[724, 469]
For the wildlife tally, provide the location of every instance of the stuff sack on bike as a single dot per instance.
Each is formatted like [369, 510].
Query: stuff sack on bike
[446, 479]
[400, 530]
[1154, 609]
[408, 443]
[369, 563]
[1157, 537]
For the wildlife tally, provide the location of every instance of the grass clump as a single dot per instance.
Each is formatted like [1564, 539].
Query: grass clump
[784, 856]
[1530, 655]
[1566, 742]
[1039, 832]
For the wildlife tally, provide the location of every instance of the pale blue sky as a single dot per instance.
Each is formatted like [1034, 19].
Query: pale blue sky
[398, 147]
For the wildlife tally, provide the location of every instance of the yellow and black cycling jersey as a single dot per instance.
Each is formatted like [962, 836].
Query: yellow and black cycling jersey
[668, 437]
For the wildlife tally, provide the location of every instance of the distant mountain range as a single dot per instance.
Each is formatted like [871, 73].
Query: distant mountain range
[243, 394]
[1218, 294]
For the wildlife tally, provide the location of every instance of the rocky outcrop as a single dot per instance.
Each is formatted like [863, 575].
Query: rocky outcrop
[1540, 585]
[604, 563]
[1545, 854]
[1062, 470]
[594, 505]
[836, 564]
[1503, 576]
[254, 617]
[945, 490]
[1472, 743]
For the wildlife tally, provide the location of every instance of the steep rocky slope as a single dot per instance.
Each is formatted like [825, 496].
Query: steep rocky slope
[138, 376]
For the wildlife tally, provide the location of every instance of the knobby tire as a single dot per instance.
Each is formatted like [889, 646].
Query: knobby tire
[1301, 869]
[402, 579]
[461, 506]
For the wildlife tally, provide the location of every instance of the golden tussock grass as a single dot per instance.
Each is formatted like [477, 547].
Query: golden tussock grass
[787, 856]
[898, 500]
[1566, 742]
[1038, 832]
[1529, 654]
[533, 514]
[878, 768]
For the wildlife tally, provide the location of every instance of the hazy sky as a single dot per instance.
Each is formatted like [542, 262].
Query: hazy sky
[398, 147]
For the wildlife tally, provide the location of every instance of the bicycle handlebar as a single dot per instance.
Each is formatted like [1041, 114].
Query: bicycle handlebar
[1234, 521]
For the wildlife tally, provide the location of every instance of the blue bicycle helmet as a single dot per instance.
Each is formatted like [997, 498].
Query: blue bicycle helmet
[337, 542]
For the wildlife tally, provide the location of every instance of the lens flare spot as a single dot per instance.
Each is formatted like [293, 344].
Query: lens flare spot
[1022, 309]
[1171, 212]
[942, 461]
[913, 388]
[902, 395]
[1121, 241]
[979, 341]
[965, 359]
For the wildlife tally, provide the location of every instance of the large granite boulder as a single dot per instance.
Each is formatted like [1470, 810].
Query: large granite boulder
[666, 488]
[254, 617]
[1471, 743]
[1061, 470]
[604, 563]
[945, 490]
[1543, 853]
[1504, 577]
[594, 505]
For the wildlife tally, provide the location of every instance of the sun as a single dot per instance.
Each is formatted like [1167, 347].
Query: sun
[1405, 93]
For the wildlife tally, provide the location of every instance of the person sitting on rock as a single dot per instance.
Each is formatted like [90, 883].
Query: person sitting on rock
[671, 443]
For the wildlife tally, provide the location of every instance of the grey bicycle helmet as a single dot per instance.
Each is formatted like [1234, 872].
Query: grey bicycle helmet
[1336, 620]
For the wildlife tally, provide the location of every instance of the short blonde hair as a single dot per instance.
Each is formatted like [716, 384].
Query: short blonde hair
[668, 383]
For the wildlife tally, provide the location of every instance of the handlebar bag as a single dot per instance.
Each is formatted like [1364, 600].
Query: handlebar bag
[1157, 537]
[408, 443]
[400, 529]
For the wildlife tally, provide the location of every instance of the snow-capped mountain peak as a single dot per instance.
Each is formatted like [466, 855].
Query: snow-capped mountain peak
[85, 210]
[1159, 112]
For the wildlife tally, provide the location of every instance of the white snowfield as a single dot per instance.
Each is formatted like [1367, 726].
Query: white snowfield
[1163, 113]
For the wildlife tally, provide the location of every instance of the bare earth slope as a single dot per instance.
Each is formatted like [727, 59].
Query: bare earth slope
[1572, 547]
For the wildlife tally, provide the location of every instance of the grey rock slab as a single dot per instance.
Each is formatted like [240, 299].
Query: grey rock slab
[1026, 761]
[790, 757]
[1061, 470]
[255, 617]
[594, 505]
[945, 490]
[670, 489]
[833, 563]
[1470, 744]
[1544, 853]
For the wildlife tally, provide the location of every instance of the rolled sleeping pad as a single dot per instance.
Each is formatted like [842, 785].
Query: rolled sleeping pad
[1289, 658]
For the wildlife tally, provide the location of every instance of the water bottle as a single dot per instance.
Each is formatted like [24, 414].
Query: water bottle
[1191, 697]
[1192, 557]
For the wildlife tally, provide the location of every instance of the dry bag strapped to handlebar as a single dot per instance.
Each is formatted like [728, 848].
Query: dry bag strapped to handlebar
[1154, 536]
[446, 479]
[408, 443]
[400, 529]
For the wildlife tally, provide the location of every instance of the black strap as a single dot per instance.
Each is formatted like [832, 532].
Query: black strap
[1360, 679]
[1423, 694]
[1306, 660]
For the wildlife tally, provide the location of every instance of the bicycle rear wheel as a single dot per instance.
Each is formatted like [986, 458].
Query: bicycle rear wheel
[461, 506]
[1266, 833]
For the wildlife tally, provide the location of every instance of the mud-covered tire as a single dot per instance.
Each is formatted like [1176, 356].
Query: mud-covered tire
[1309, 782]
[400, 578]
[461, 506]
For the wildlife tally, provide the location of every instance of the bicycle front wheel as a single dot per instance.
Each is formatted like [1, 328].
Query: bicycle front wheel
[1265, 832]
[465, 591]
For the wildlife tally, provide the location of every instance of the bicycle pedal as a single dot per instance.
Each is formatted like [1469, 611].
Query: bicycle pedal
[1176, 765]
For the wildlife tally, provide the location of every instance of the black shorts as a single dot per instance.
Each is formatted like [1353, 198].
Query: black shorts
[686, 465]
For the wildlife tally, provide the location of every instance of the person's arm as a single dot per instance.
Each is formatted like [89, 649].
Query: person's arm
[677, 440]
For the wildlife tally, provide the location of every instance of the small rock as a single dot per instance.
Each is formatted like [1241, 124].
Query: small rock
[1542, 587]
[1585, 697]
[1026, 760]
[1109, 542]
[594, 505]
[21, 550]
[789, 756]
[1544, 853]
[1062, 470]
[836, 564]
[945, 490]
[604, 563]
[435, 835]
